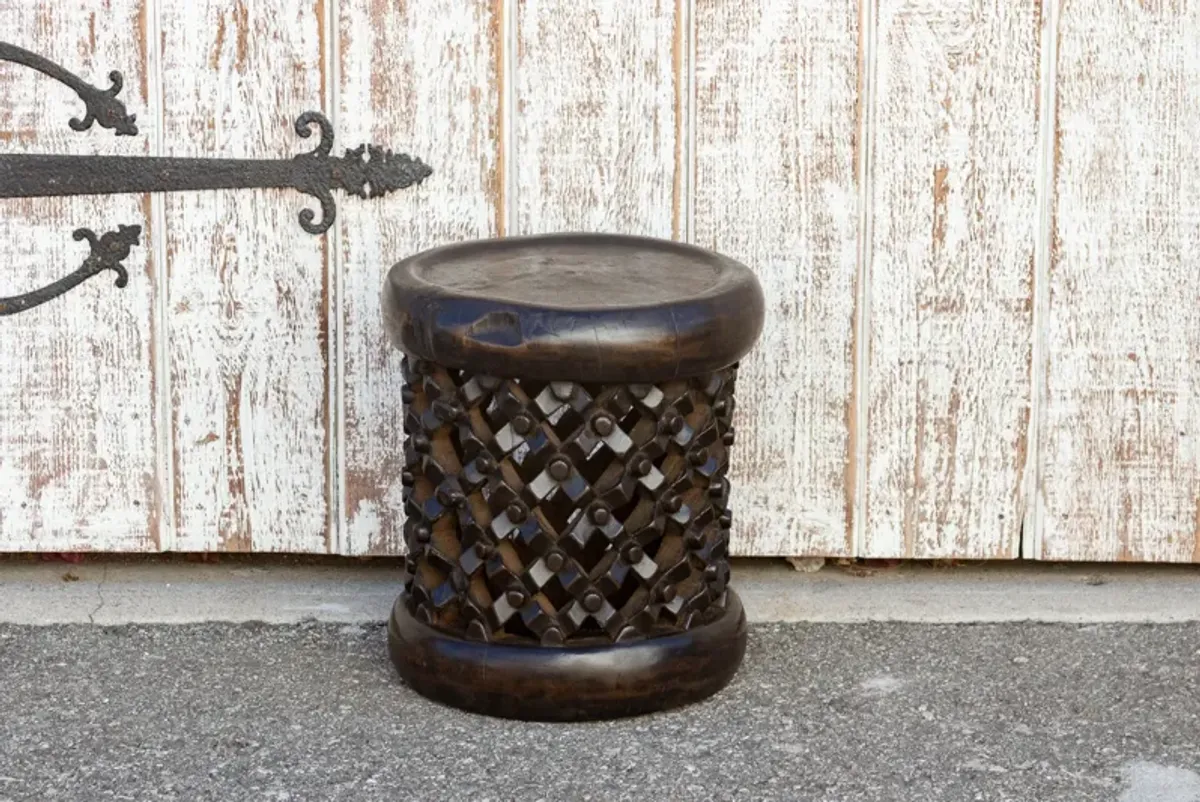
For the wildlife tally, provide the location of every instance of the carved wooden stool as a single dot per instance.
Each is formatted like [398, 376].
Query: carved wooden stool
[569, 401]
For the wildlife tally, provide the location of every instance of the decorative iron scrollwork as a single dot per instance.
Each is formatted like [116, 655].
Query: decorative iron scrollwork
[108, 252]
[102, 104]
[368, 171]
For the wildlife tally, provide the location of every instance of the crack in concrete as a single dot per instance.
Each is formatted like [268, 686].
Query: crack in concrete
[99, 595]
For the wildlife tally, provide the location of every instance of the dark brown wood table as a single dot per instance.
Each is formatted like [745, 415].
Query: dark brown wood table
[569, 405]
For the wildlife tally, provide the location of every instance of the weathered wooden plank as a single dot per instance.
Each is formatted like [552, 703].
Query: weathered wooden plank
[594, 144]
[423, 80]
[775, 131]
[77, 430]
[1120, 436]
[247, 298]
[952, 188]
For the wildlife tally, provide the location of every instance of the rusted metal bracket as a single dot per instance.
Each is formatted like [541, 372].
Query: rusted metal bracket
[368, 171]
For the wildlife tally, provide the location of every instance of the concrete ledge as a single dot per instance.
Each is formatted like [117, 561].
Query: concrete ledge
[176, 593]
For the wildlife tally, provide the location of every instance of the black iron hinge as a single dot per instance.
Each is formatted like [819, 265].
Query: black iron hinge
[367, 171]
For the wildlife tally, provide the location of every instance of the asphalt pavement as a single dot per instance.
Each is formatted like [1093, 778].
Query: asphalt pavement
[875, 711]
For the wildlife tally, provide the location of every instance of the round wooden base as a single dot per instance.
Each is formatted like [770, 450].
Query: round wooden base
[569, 683]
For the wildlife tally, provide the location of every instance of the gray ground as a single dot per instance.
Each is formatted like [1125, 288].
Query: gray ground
[820, 711]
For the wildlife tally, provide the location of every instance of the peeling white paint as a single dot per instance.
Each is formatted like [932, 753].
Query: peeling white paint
[979, 272]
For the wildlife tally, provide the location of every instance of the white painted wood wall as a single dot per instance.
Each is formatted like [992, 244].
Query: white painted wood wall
[977, 223]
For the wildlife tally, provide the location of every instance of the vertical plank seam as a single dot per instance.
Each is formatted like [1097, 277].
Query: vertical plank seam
[335, 281]
[692, 132]
[862, 322]
[685, 126]
[1031, 541]
[163, 408]
[508, 98]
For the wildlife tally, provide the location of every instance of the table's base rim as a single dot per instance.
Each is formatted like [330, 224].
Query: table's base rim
[536, 683]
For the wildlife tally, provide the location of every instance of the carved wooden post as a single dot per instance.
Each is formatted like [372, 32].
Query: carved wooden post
[569, 424]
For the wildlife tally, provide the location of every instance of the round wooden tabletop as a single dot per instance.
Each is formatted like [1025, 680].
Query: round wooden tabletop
[574, 307]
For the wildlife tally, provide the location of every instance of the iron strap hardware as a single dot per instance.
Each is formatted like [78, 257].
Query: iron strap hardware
[367, 171]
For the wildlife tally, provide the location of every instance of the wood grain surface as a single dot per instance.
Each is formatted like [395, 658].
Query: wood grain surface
[1120, 440]
[775, 123]
[594, 117]
[953, 205]
[77, 388]
[247, 305]
[975, 221]
[425, 81]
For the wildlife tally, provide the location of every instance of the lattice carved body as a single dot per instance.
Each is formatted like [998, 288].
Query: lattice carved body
[557, 513]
